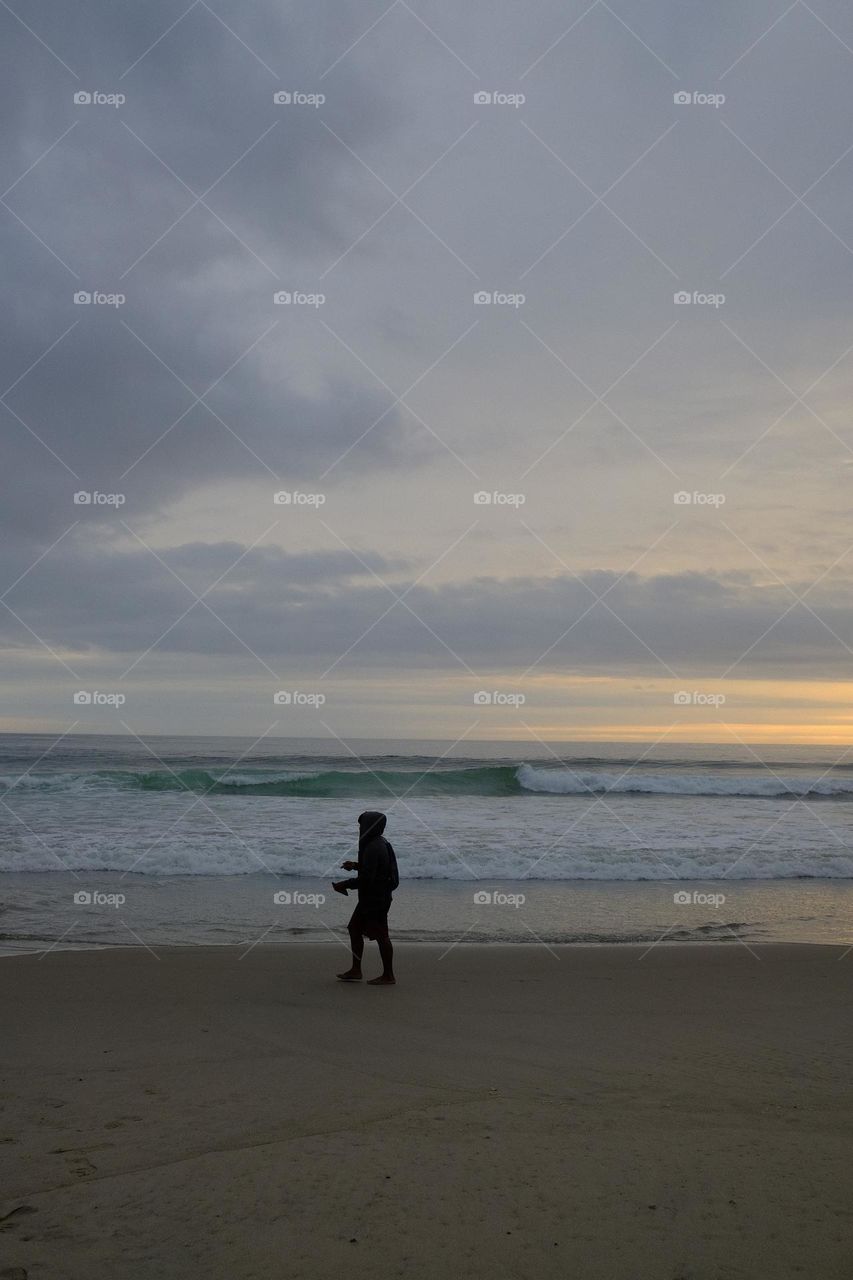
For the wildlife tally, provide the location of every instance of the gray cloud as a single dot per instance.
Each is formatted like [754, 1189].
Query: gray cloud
[599, 199]
[311, 608]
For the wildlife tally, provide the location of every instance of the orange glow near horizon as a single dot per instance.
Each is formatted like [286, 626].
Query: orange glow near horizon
[754, 712]
[750, 734]
[557, 708]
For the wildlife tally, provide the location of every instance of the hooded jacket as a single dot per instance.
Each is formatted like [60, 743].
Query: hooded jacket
[377, 863]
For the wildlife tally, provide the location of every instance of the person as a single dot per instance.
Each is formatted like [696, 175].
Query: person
[376, 881]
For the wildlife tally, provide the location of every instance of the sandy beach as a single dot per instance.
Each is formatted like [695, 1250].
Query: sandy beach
[604, 1112]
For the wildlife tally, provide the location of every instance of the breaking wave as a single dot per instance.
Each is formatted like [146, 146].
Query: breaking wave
[490, 780]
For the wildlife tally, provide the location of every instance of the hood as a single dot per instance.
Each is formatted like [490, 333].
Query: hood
[370, 825]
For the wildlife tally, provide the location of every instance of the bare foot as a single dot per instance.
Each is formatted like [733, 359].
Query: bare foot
[384, 981]
[351, 975]
[339, 888]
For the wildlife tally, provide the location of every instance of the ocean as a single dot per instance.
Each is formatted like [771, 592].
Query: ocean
[109, 840]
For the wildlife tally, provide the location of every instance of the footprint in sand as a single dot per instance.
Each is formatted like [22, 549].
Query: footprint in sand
[10, 1219]
[121, 1121]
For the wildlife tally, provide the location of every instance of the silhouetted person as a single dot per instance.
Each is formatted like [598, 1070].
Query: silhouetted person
[376, 881]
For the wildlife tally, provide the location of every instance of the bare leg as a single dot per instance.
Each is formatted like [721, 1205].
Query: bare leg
[386, 952]
[353, 974]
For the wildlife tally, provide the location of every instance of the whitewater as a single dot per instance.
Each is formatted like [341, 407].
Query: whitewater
[114, 841]
[573, 812]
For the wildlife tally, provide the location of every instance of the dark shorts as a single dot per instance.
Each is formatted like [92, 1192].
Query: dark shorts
[371, 918]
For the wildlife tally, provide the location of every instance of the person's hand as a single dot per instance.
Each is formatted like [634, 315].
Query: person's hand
[349, 866]
[339, 887]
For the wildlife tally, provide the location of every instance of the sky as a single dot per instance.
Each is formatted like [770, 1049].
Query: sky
[428, 371]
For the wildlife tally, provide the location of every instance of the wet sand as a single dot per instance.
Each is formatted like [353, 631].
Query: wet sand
[608, 1112]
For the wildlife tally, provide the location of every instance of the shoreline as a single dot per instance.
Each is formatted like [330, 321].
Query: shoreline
[63, 910]
[402, 943]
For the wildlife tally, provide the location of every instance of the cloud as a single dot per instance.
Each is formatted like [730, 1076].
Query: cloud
[319, 608]
[396, 199]
[107, 392]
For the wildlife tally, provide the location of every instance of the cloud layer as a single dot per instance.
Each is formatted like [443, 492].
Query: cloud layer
[622, 273]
